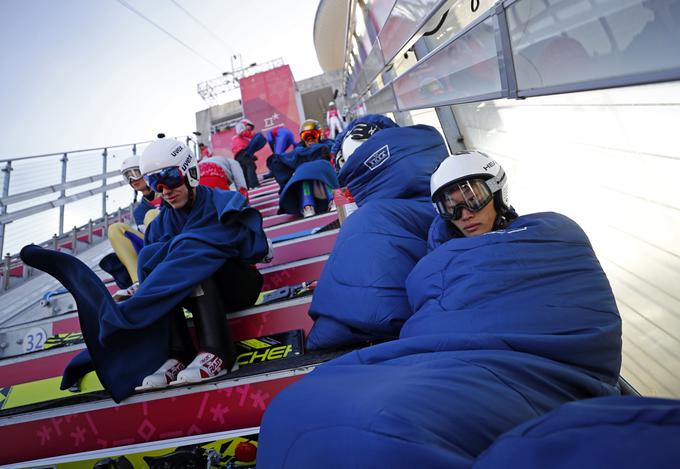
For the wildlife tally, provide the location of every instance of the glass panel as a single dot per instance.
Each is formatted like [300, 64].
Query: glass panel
[371, 68]
[361, 33]
[403, 62]
[465, 68]
[568, 41]
[381, 102]
[377, 13]
[403, 23]
[457, 18]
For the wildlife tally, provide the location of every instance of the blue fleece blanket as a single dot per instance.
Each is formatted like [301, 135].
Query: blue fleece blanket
[299, 165]
[621, 432]
[283, 140]
[284, 165]
[319, 170]
[507, 326]
[129, 340]
[361, 294]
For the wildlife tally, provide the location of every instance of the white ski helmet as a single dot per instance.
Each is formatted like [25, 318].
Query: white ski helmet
[471, 164]
[167, 153]
[130, 169]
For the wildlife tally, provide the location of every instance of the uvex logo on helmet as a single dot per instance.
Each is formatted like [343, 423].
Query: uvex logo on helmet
[186, 163]
[176, 151]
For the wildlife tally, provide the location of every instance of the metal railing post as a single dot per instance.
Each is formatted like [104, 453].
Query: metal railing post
[104, 155]
[74, 241]
[55, 242]
[62, 194]
[3, 208]
[90, 231]
[119, 215]
[26, 271]
[5, 275]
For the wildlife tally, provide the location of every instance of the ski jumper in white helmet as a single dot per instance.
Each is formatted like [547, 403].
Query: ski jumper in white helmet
[167, 153]
[479, 179]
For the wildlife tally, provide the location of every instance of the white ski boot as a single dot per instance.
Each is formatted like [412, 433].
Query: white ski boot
[126, 293]
[162, 378]
[205, 366]
[308, 211]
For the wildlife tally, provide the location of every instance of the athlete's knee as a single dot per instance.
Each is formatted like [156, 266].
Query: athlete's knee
[116, 229]
[150, 216]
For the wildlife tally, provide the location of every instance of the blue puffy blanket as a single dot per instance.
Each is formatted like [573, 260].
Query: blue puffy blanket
[129, 340]
[621, 432]
[361, 294]
[507, 326]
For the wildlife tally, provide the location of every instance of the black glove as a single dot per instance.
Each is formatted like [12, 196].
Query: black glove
[363, 130]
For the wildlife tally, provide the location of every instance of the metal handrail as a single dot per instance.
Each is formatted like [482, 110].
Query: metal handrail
[61, 201]
[9, 217]
[11, 262]
[58, 153]
[12, 199]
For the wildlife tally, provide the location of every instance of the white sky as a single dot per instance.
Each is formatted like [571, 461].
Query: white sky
[90, 73]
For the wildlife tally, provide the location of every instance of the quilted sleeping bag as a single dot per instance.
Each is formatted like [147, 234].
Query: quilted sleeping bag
[361, 293]
[506, 327]
[624, 432]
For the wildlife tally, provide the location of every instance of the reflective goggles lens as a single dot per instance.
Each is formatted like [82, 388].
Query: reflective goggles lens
[310, 135]
[132, 174]
[166, 178]
[472, 194]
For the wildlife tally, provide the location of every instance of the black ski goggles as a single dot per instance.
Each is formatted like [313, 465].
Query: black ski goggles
[170, 178]
[472, 194]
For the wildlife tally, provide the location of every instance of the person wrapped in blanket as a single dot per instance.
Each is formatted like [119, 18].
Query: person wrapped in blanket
[244, 145]
[280, 139]
[513, 316]
[125, 240]
[361, 294]
[198, 255]
[305, 175]
[221, 172]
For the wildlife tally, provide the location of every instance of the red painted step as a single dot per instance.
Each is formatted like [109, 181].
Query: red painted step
[300, 248]
[274, 220]
[270, 211]
[252, 322]
[212, 407]
[301, 225]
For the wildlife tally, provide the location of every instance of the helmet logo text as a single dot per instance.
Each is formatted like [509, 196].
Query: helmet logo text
[176, 151]
[185, 165]
[490, 164]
